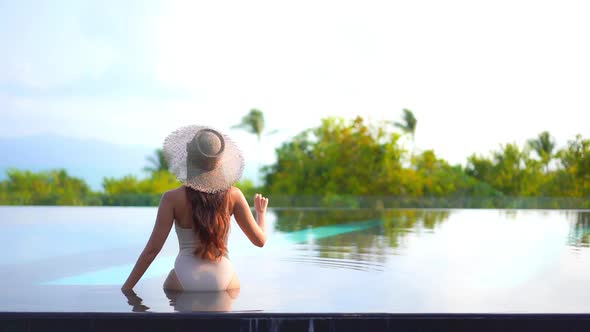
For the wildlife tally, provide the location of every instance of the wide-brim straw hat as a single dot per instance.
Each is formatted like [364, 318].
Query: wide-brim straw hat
[203, 158]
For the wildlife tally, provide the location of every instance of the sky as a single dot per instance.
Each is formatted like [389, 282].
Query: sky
[475, 73]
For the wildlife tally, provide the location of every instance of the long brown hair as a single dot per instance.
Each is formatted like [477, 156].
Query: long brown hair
[211, 220]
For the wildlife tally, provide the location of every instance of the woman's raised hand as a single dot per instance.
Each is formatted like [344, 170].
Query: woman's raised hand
[260, 203]
[254, 228]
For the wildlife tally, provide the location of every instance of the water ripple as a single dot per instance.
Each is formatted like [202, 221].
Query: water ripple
[337, 263]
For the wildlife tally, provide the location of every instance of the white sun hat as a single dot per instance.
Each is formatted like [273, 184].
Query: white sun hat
[203, 159]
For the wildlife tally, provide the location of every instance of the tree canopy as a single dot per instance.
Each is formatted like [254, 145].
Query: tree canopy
[253, 122]
[361, 158]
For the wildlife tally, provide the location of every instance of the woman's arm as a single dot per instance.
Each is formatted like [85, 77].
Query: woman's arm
[164, 221]
[254, 229]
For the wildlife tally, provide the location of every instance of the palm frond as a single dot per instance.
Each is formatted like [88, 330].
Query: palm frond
[543, 145]
[408, 123]
[253, 123]
[401, 126]
[156, 162]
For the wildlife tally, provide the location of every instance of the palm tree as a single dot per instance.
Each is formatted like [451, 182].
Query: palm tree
[157, 162]
[253, 122]
[544, 145]
[408, 124]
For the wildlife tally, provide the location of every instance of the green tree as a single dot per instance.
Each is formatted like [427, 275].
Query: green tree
[158, 183]
[129, 184]
[54, 187]
[408, 124]
[253, 122]
[439, 179]
[359, 158]
[157, 162]
[543, 145]
[338, 158]
[573, 180]
[510, 170]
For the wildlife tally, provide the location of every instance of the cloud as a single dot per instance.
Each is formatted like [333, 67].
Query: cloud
[54, 43]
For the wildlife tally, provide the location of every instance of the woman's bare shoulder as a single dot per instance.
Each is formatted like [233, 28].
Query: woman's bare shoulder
[236, 194]
[175, 195]
[235, 197]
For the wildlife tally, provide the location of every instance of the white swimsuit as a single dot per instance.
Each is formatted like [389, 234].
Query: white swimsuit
[196, 274]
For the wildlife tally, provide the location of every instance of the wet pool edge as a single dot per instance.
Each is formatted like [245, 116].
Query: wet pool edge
[246, 321]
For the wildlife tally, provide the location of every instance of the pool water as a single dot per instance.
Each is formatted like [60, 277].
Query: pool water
[402, 260]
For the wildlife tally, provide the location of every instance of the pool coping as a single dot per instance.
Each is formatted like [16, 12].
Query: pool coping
[276, 321]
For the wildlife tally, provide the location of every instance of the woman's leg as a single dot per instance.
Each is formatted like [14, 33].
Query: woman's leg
[172, 282]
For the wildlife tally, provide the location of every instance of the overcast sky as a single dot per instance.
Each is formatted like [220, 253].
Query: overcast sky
[475, 73]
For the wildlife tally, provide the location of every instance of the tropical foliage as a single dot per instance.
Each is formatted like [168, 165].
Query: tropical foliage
[361, 164]
[54, 187]
[157, 162]
[515, 173]
[544, 146]
[359, 158]
[157, 183]
[253, 122]
[408, 123]
[355, 163]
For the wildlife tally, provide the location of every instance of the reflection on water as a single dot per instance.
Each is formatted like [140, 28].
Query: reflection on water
[354, 263]
[188, 301]
[364, 249]
[354, 260]
[135, 301]
[397, 223]
[579, 234]
[202, 301]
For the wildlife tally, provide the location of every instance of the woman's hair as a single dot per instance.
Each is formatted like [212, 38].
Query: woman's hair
[211, 220]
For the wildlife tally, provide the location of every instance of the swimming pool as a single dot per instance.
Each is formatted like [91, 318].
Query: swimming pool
[403, 260]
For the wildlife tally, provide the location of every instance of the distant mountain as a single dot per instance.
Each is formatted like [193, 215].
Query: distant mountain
[89, 159]
[86, 158]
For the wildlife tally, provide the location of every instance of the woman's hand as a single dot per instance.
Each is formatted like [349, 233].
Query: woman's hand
[134, 301]
[260, 203]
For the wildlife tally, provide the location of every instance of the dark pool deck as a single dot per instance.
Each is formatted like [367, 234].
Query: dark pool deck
[316, 322]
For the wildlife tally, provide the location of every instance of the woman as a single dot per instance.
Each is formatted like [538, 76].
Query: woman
[207, 163]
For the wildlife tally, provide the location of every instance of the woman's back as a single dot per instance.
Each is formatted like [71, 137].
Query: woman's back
[193, 272]
[183, 210]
